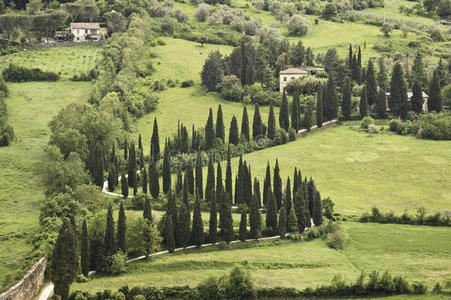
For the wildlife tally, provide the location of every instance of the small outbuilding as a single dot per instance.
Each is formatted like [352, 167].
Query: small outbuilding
[285, 76]
[409, 99]
[445, 22]
[85, 31]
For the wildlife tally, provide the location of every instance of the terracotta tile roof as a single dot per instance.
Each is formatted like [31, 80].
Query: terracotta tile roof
[84, 26]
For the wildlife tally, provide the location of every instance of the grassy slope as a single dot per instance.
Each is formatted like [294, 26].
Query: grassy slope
[391, 9]
[30, 107]
[368, 247]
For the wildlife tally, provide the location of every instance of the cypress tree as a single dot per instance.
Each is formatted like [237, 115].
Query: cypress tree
[236, 191]
[197, 236]
[194, 139]
[271, 123]
[210, 179]
[257, 125]
[239, 186]
[398, 92]
[228, 179]
[354, 67]
[132, 166]
[220, 131]
[266, 184]
[319, 108]
[381, 103]
[317, 210]
[97, 171]
[243, 224]
[114, 165]
[234, 137]
[154, 183]
[226, 221]
[185, 197]
[172, 211]
[435, 95]
[199, 177]
[277, 185]
[110, 243]
[282, 222]
[371, 86]
[271, 212]
[418, 72]
[64, 265]
[184, 140]
[288, 202]
[311, 188]
[441, 73]
[295, 112]
[382, 75]
[179, 182]
[350, 57]
[190, 177]
[155, 142]
[330, 100]
[84, 251]
[243, 64]
[359, 66]
[112, 179]
[248, 186]
[166, 170]
[97, 250]
[417, 98]
[291, 221]
[284, 120]
[363, 106]
[183, 226]
[257, 192]
[346, 103]
[213, 224]
[255, 218]
[300, 209]
[219, 184]
[124, 185]
[140, 142]
[169, 234]
[135, 188]
[125, 150]
[245, 132]
[144, 181]
[209, 131]
[122, 229]
[147, 211]
[308, 118]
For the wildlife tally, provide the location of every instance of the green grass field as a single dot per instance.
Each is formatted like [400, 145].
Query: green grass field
[30, 107]
[368, 247]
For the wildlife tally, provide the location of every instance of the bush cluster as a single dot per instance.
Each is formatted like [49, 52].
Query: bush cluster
[89, 76]
[420, 218]
[430, 126]
[6, 131]
[16, 73]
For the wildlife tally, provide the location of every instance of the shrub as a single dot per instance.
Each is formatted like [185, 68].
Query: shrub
[292, 134]
[335, 239]
[116, 263]
[239, 284]
[366, 121]
[181, 16]
[187, 83]
[169, 25]
[386, 29]
[280, 137]
[81, 279]
[202, 12]
[20, 74]
[298, 25]
[6, 134]
[419, 288]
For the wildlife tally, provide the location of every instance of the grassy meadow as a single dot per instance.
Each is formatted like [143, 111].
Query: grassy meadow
[368, 247]
[30, 107]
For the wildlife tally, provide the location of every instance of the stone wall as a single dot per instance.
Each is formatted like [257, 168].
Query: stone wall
[28, 287]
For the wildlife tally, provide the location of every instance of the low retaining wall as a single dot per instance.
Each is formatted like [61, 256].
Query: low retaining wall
[28, 287]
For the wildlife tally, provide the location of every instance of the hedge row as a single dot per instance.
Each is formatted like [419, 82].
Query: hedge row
[16, 73]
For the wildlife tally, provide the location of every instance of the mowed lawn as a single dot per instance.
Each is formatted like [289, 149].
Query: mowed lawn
[30, 107]
[419, 253]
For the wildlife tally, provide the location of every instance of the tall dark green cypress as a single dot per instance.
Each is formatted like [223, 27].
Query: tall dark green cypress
[132, 166]
[209, 131]
[284, 119]
[295, 112]
[110, 242]
[184, 140]
[381, 103]
[371, 85]
[271, 123]
[190, 177]
[417, 98]
[318, 210]
[243, 63]
[308, 118]
[359, 66]
[243, 224]
[147, 211]
[220, 131]
[122, 229]
[255, 218]
[169, 235]
[124, 185]
[435, 95]
[239, 186]
[183, 226]
[219, 184]
[199, 176]
[319, 108]
[140, 142]
[125, 150]
[154, 183]
[363, 106]
[172, 210]
[210, 185]
[112, 178]
[213, 223]
[185, 192]
[64, 265]
[257, 125]
[84, 251]
[277, 185]
[166, 170]
[382, 75]
[288, 202]
[300, 210]
[257, 192]
[179, 181]
[227, 221]
[234, 136]
[144, 181]
[228, 179]
[245, 132]
[197, 235]
[346, 103]
[266, 184]
[311, 189]
[135, 188]
[350, 57]
[248, 186]
[330, 100]
[418, 72]
[271, 212]
[282, 222]
[398, 92]
[155, 142]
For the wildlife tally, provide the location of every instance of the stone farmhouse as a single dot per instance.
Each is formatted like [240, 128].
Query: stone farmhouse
[82, 30]
[285, 76]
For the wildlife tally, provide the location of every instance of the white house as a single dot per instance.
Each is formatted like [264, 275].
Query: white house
[289, 74]
[81, 30]
[409, 99]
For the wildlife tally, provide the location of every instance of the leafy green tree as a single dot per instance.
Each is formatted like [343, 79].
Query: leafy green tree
[213, 71]
[398, 92]
[318, 210]
[122, 229]
[209, 131]
[166, 170]
[435, 94]
[197, 235]
[147, 211]
[110, 242]
[84, 251]
[245, 132]
[220, 131]
[363, 106]
[308, 118]
[295, 112]
[210, 179]
[234, 137]
[124, 185]
[213, 223]
[271, 123]
[282, 222]
[257, 125]
[255, 218]
[381, 103]
[243, 224]
[132, 166]
[155, 142]
[319, 108]
[284, 120]
[154, 184]
[271, 212]
[277, 184]
[309, 57]
[199, 179]
[371, 84]
[64, 265]
[417, 98]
